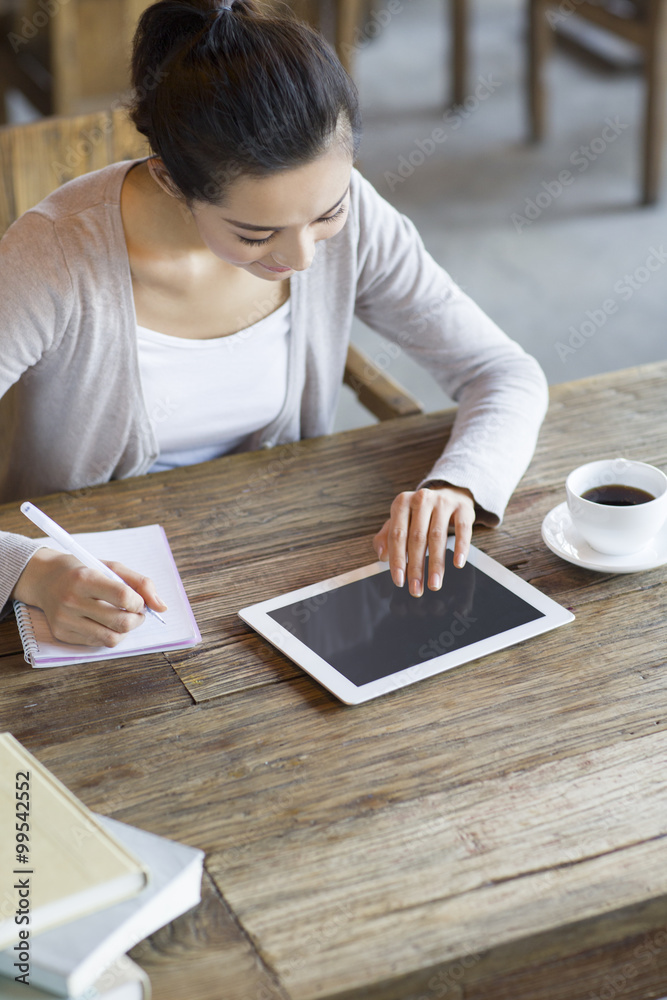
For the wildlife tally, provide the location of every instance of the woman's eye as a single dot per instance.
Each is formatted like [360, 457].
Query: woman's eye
[259, 243]
[336, 215]
[256, 243]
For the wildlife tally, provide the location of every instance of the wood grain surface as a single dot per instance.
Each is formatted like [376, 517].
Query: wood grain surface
[498, 831]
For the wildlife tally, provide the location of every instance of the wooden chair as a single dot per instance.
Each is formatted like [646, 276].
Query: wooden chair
[36, 158]
[458, 50]
[71, 56]
[67, 56]
[647, 28]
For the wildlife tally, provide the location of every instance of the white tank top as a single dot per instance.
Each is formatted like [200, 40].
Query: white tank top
[205, 397]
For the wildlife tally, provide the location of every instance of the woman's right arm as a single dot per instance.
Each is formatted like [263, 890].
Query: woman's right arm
[34, 308]
[81, 605]
[15, 552]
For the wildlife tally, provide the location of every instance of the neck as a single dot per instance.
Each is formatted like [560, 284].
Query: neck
[154, 217]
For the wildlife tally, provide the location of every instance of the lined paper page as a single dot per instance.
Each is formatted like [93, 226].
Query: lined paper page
[147, 551]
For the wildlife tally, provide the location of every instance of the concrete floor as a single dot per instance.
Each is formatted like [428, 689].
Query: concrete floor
[539, 279]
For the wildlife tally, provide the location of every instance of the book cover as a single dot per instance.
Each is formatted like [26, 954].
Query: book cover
[123, 980]
[57, 861]
[68, 959]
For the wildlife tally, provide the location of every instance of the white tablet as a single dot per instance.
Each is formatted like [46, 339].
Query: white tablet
[360, 636]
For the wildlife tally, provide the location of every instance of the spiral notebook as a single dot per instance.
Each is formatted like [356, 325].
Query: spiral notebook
[145, 549]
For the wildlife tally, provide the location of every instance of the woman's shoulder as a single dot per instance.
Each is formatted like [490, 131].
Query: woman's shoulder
[367, 194]
[98, 187]
[377, 219]
[57, 238]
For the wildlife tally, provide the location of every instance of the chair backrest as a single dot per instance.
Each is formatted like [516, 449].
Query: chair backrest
[37, 158]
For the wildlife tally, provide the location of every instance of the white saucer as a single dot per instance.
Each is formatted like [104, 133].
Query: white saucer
[561, 536]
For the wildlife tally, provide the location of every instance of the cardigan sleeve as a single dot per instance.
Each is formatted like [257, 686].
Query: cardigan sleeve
[15, 553]
[501, 391]
[36, 299]
[34, 306]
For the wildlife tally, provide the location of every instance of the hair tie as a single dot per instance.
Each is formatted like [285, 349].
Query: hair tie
[217, 12]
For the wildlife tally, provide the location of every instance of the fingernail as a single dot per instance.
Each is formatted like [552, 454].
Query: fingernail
[163, 606]
[434, 581]
[400, 577]
[416, 588]
[460, 561]
[381, 554]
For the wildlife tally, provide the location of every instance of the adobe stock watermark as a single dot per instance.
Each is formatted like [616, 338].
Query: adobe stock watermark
[373, 27]
[624, 289]
[256, 484]
[75, 153]
[582, 158]
[616, 983]
[453, 119]
[459, 625]
[31, 26]
[316, 939]
[448, 980]
[564, 10]
[428, 314]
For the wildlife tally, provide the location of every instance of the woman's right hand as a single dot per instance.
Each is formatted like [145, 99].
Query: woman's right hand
[82, 606]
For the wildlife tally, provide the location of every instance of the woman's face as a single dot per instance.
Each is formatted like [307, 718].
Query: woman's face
[269, 225]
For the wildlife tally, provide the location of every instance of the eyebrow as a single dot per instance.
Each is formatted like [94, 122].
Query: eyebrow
[277, 229]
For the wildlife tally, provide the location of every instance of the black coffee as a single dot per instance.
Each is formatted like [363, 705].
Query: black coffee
[617, 495]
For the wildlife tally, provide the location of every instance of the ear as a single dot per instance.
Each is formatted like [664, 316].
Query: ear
[162, 178]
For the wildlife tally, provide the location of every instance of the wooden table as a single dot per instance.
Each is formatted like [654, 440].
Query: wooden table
[499, 831]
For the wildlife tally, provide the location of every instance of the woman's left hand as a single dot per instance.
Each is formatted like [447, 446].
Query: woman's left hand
[420, 520]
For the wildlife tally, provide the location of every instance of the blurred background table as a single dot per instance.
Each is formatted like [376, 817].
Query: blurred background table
[498, 831]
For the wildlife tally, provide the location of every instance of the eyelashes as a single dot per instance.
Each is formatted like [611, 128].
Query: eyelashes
[260, 243]
[255, 243]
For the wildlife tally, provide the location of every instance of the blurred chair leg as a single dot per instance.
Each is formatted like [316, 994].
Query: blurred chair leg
[539, 39]
[348, 16]
[656, 87]
[459, 49]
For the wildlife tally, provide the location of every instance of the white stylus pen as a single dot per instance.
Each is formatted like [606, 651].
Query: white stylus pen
[70, 544]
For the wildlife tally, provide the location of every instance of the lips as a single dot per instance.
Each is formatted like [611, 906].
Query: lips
[276, 270]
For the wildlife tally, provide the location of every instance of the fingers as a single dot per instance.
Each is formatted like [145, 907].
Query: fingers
[82, 605]
[141, 585]
[381, 542]
[397, 534]
[92, 623]
[421, 508]
[103, 588]
[421, 520]
[464, 520]
[437, 544]
[92, 609]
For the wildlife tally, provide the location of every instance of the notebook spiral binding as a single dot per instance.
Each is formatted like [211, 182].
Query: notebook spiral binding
[26, 631]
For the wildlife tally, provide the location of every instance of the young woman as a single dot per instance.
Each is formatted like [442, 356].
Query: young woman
[198, 302]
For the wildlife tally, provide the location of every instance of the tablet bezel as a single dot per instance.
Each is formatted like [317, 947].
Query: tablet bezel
[257, 616]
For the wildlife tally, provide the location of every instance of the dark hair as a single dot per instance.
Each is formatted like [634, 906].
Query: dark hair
[223, 92]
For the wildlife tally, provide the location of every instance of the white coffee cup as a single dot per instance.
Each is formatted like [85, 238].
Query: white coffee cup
[617, 531]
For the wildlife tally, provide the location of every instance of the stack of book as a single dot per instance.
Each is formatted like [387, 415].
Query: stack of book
[78, 890]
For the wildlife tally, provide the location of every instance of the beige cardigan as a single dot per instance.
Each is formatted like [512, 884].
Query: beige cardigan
[72, 413]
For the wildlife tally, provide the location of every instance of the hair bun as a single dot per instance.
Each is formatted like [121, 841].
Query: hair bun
[233, 88]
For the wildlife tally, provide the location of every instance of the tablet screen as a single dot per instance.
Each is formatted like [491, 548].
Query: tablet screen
[361, 636]
[370, 628]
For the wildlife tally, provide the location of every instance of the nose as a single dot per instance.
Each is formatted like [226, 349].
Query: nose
[296, 252]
